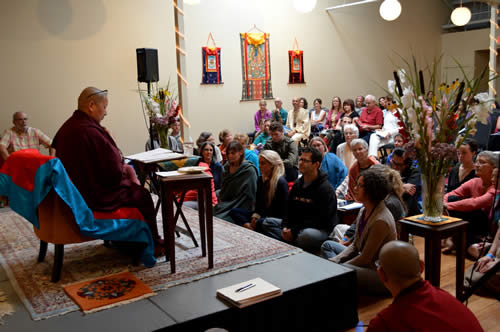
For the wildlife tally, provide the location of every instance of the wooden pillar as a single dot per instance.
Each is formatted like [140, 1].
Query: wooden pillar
[493, 50]
[181, 61]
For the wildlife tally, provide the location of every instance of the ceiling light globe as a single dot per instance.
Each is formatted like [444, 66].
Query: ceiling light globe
[460, 16]
[390, 10]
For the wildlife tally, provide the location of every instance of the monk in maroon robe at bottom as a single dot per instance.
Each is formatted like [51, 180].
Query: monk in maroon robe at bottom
[95, 165]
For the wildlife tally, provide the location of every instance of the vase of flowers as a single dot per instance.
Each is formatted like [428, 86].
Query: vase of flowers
[162, 109]
[437, 126]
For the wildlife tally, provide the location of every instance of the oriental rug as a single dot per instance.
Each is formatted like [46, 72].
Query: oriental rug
[106, 292]
[234, 247]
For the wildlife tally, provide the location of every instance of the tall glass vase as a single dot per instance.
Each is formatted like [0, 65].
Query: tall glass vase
[432, 197]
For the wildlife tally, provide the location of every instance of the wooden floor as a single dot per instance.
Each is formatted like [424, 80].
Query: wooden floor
[487, 310]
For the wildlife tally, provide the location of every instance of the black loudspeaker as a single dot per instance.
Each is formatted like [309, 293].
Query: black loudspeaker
[147, 65]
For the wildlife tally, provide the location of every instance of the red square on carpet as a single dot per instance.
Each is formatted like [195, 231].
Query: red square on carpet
[102, 293]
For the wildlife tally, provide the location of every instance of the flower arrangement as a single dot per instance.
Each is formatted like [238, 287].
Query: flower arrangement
[436, 127]
[162, 110]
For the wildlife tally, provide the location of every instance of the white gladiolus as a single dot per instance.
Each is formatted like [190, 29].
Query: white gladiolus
[408, 97]
[402, 78]
[391, 86]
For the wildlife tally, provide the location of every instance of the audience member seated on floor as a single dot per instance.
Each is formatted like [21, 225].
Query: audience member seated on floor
[339, 136]
[174, 136]
[272, 193]
[386, 134]
[371, 118]
[410, 174]
[346, 117]
[375, 226]
[417, 305]
[304, 104]
[208, 157]
[22, 137]
[239, 183]
[318, 117]
[331, 164]
[359, 149]
[261, 114]
[95, 165]
[312, 207]
[382, 103]
[333, 116]
[472, 201]
[286, 148]
[206, 136]
[360, 104]
[279, 113]
[490, 287]
[344, 151]
[249, 154]
[343, 234]
[298, 122]
[225, 137]
[492, 250]
[399, 142]
[261, 139]
[465, 169]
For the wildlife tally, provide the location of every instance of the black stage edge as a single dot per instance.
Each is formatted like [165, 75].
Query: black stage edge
[318, 295]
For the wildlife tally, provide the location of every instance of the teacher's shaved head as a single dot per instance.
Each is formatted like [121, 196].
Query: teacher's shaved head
[400, 262]
[90, 94]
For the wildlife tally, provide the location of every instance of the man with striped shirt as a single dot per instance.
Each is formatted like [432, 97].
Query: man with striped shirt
[22, 137]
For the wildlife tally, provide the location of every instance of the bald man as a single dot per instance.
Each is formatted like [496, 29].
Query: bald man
[95, 165]
[417, 305]
[22, 137]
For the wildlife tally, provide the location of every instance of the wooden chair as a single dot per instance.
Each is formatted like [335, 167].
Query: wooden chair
[57, 226]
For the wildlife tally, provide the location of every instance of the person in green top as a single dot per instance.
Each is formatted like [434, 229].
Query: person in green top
[264, 135]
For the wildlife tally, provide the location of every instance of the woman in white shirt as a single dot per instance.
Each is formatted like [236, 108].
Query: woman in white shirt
[318, 117]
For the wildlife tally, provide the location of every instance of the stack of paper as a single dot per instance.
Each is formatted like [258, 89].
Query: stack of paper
[155, 155]
[352, 206]
[249, 292]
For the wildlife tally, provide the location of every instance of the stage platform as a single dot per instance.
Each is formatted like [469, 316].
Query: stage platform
[318, 295]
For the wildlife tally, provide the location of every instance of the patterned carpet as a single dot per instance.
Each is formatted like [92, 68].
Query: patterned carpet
[234, 247]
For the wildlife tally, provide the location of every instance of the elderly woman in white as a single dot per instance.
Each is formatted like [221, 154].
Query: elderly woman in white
[385, 135]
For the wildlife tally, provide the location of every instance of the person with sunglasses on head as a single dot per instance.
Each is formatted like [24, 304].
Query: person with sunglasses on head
[95, 165]
[22, 137]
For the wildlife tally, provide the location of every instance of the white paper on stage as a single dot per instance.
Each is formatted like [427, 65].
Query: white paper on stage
[352, 206]
[155, 156]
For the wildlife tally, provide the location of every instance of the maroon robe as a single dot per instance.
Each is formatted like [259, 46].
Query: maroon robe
[95, 166]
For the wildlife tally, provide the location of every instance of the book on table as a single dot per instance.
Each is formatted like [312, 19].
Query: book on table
[248, 292]
[155, 155]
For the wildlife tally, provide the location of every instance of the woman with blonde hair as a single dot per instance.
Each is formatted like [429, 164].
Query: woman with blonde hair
[272, 193]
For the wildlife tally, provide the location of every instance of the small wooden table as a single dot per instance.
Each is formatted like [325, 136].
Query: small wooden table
[433, 234]
[181, 183]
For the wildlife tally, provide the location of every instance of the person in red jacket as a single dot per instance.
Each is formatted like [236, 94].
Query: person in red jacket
[417, 305]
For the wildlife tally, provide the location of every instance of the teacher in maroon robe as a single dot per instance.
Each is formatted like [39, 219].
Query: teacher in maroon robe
[95, 164]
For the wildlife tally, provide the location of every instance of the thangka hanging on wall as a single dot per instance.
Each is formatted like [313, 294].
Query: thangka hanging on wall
[256, 66]
[296, 64]
[211, 63]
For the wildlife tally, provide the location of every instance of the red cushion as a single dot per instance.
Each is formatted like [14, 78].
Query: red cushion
[120, 213]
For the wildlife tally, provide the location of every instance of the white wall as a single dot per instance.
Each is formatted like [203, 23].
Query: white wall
[54, 48]
[471, 50]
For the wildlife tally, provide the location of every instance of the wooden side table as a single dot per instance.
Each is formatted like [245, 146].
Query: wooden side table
[433, 233]
[181, 183]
